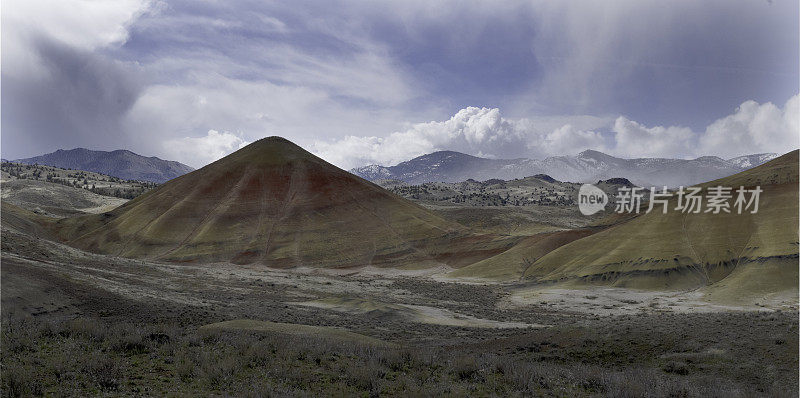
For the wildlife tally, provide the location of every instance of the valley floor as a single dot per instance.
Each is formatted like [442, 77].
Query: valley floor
[76, 323]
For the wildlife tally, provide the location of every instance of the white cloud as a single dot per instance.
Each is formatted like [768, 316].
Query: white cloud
[471, 130]
[199, 151]
[754, 127]
[567, 139]
[635, 140]
[255, 109]
[81, 24]
[478, 131]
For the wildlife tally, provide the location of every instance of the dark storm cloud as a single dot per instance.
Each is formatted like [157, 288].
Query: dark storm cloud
[77, 98]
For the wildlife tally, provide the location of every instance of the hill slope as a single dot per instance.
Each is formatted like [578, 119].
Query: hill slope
[587, 166]
[731, 256]
[120, 163]
[677, 250]
[56, 200]
[101, 184]
[274, 203]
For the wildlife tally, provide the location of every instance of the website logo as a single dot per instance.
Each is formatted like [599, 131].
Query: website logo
[635, 200]
[591, 199]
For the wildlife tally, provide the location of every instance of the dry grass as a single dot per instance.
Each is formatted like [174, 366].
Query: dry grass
[89, 357]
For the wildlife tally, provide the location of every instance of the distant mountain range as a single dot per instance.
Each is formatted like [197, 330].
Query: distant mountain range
[587, 166]
[120, 163]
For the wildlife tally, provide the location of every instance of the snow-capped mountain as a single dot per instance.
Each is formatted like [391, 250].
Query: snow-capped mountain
[374, 172]
[748, 161]
[587, 166]
[446, 166]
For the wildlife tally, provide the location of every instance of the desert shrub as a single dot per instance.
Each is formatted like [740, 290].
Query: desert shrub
[20, 334]
[81, 356]
[679, 368]
[62, 363]
[526, 377]
[260, 353]
[19, 381]
[184, 364]
[218, 367]
[264, 388]
[364, 378]
[87, 328]
[590, 378]
[103, 371]
[464, 367]
[396, 360]
[127, 338]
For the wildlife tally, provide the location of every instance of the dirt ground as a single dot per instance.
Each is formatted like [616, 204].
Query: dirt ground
[681, 338]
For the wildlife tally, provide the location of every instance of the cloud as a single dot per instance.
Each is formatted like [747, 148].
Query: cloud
[213, 66]
[752, 128]
[144, 73]
[477, 131]
[199, 151]
[635, 140]
[78, 98]
[472, 130]
[346, 78]
[59, 89]
[81, 25]
[567, 139]
[252, 108]
[680, 62]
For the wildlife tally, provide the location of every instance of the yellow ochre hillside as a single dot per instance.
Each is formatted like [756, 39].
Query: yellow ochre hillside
[739, 254]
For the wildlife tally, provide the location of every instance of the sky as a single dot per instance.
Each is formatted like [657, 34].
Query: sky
[366, 82]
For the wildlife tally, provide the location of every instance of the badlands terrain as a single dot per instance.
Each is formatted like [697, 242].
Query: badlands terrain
[271, 272]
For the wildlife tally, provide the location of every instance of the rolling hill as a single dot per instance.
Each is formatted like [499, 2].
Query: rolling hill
[587, 166]
[274, 203]
[101, 184]
[728, 255]
[120, 163]
[56, 200]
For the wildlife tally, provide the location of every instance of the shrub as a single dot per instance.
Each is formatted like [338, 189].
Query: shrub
[103, 371]
[19, 382]
[465, 367]
[218, 367]
[184, 365]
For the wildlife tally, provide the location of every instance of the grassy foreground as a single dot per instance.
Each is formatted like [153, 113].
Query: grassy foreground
[83, 357]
